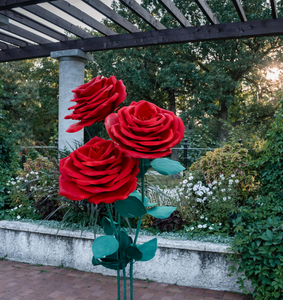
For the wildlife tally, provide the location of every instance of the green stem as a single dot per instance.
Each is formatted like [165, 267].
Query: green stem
[142, 184]
[131, 279]
[118, 283]
[112, 222]
[125, 282]
[118, 270]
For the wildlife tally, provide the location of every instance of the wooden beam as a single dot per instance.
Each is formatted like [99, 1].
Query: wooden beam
[5, 46]
[256, 28]
[207, 11]
[56, 20]
[240, 10]
[274, 9]
[35, 25]
[25, 34]
[8, 4]
[175, 12]
[12, 40]
[144, 14]
[112, 15]
[83, 17]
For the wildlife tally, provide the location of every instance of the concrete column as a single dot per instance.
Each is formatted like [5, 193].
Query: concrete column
[71, 75]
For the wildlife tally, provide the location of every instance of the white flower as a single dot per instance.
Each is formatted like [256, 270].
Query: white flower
[18, 217]
[13, 182]
[35, 173]
[192, 228]
[214, 182]
[236, 180]
[195, 188]
[206, 219]
[202, 217]
[199, 226]
[20, 205]
[223, 190]
[233, 175]
[210, 185]
[189, 184]
[209, 193]
[215, 187]
[191, 178]
[23, 190]
[220, 224]
[27, 175]
[199, 200]
[185, 181]
[229, 197]
[204, 226]
[210, 228]
[31, 172]
[200, 193]
[219, 182]
[224, 198]
[230, 181]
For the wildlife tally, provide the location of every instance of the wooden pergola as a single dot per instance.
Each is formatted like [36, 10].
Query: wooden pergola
[17, 43]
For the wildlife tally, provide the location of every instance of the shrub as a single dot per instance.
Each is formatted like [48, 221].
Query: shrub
[269, 165]
[227, 161]
[258, 246]
[217, 200]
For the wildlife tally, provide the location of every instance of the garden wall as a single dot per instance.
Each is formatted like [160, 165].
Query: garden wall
[188, 263]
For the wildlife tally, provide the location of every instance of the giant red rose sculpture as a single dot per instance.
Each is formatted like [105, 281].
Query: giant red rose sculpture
[98, 172]
[96, 100]
[144, 130]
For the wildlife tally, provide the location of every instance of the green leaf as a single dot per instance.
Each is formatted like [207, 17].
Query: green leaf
[95, 262]
[146, 200]
[130, 207]
[103, 246]
[161, 212]
[133, 252]
[106, 223]
[167, 166]
[124, 240]
[148, 249]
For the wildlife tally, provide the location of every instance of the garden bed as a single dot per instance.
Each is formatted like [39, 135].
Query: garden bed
[188, 263]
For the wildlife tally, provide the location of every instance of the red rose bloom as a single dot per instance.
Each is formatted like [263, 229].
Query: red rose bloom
[99, 172]
[144, 130]
[96, 100]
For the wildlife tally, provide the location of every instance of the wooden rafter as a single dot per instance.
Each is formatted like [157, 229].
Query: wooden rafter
[58, 21]
[240, 10]
[8, 4]
[12, 40]
[35, 25]
[26, 34]
[6, 46]
[112, 15]
[83, 17]
[204, 7]
[175, 12]
[160, 37]
[144, 14]
[274, 9]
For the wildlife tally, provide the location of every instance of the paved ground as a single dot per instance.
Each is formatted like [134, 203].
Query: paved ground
[19, 281]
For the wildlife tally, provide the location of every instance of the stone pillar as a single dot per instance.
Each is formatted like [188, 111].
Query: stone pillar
[71, 75]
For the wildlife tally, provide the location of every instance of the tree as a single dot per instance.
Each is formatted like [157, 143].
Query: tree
[205, 80]
[30, 99]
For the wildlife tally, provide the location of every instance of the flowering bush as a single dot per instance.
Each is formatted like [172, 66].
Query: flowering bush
[225, 162]
[215, 200]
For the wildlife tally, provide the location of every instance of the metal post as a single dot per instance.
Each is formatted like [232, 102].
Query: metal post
[185, 155]
[56, 144]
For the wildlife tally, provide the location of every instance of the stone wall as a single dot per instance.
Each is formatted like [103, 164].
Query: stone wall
[188, 263]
